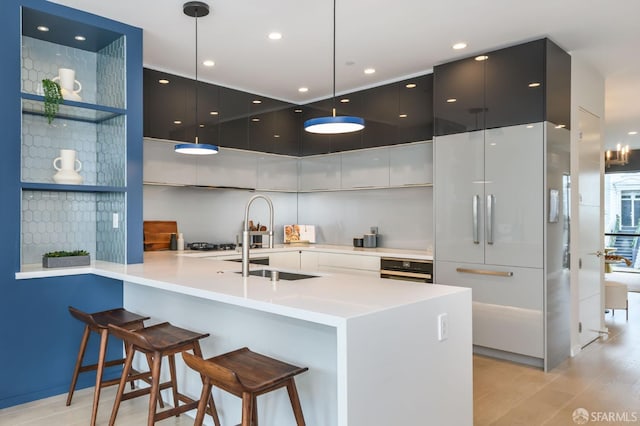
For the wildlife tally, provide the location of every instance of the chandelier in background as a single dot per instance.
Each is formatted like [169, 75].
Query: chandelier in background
[620, 158]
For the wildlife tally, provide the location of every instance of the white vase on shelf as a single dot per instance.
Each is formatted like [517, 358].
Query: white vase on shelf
[67, 80]
[66, 167]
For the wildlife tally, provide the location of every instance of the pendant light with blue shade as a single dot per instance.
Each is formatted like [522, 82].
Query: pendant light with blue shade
[196, 9]
[334, 124]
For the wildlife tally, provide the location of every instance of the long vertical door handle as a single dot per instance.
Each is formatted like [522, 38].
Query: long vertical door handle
[490, 208]
[475, 212]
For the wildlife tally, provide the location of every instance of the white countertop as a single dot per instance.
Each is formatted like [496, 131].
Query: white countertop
[325, 248]
[328, 299]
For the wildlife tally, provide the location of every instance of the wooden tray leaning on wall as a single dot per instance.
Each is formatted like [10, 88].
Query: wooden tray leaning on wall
[157, 234]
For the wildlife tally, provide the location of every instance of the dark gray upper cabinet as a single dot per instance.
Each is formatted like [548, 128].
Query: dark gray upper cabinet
[394, 113]
[526, 83]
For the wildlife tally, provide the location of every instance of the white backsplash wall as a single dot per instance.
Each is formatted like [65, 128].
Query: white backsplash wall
[404, 216]
[215, 215]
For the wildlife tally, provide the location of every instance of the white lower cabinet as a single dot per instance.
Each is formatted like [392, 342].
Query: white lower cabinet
[314, 261]
[349, 263]
[285, 260]
[507, 304]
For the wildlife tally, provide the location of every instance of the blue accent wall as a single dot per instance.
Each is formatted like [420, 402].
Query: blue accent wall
[38, 337]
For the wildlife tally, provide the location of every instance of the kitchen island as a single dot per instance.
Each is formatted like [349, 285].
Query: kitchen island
[376, 349]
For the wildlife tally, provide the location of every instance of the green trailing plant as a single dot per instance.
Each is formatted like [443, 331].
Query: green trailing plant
[52, 98]
[67, 253]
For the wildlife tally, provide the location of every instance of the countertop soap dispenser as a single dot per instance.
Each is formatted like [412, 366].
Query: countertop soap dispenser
[181, 241]
[173, 242]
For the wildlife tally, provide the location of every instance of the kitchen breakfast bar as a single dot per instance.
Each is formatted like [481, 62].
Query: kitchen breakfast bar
[380, 352]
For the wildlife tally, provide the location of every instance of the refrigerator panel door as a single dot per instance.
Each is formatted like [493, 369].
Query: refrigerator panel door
[514, 173]
[459, 197]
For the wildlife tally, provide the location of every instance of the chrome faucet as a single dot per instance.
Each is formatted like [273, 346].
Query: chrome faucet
[246, 233]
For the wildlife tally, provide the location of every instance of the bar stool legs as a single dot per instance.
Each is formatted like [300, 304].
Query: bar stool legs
[247, 375]
[157, 342]
[97, 322]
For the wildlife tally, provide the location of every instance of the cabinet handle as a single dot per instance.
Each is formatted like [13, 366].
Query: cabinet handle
[484, 272]
[476, 230]
[490, 202]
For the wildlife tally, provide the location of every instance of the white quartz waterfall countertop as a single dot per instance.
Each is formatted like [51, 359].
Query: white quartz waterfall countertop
[329, 298]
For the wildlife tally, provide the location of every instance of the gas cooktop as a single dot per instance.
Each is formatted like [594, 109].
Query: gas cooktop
[211, 247]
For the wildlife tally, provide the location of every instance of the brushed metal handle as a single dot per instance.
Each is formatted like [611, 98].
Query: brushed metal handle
[406, 274]
[490, 202]
[485, 272]
[476, 230]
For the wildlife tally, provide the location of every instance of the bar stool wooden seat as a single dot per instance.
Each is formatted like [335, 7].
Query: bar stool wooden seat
[246, 374]
[98, 323]
[156, 342]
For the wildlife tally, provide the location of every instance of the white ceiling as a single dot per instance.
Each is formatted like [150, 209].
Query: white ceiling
[398, 39]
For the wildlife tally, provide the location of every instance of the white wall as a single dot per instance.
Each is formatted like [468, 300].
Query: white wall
[587, 92]
[404, 216]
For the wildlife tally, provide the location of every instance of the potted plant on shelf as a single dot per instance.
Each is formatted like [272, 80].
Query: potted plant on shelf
[65, 259]
[52, 98]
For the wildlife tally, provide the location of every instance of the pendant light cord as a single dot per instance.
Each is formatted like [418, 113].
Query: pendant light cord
[334, 58]
[196, 82]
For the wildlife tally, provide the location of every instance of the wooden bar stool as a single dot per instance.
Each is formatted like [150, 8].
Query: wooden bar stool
[246, 374]
[156, 342]
[97, 322]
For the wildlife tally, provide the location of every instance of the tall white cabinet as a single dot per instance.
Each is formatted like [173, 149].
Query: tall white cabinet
[501, 167]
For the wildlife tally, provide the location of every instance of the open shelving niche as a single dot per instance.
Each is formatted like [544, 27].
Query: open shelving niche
[60, 216]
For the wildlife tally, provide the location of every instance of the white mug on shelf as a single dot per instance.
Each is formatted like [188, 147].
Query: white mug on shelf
[67, 80]
[67, 170]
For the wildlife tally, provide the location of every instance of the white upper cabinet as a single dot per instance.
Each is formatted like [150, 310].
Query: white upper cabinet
[164, 166]
[411, 164]
[277, 173]
[368, 168]
[320, 173]
[229, 168]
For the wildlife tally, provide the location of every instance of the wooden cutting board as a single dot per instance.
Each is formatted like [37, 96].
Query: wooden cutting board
[157, 234]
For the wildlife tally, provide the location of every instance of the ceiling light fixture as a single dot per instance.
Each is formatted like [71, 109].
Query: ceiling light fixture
[196, 9]
[459, 46]
[275, 36]
[208, 63]
[621, 158]
[303, 89]
[369, 70]
[633, 132]
[334, 124]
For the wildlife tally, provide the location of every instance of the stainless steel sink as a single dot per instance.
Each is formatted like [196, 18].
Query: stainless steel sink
[288, 276]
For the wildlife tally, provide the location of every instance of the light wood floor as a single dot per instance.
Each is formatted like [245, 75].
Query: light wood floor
[604, 377]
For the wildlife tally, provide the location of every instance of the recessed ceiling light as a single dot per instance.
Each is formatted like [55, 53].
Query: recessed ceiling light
[481, 58]
[633, 132]
[369, 70]
[530, 126]
[177, 122]
[303, 89]
[255, 119]
[345, 100]
[534, 84]
[213, 113]
[410, 85]
[459, 46]
[163, 81]
[451, 100]
[256, 101]
[42, 28]
[275, 36]
[208, 63]
[403, 116]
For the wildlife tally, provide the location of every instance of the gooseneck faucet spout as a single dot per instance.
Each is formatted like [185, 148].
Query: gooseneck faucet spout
[246, 233]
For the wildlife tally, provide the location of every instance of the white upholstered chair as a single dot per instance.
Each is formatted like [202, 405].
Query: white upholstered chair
[615, 296]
